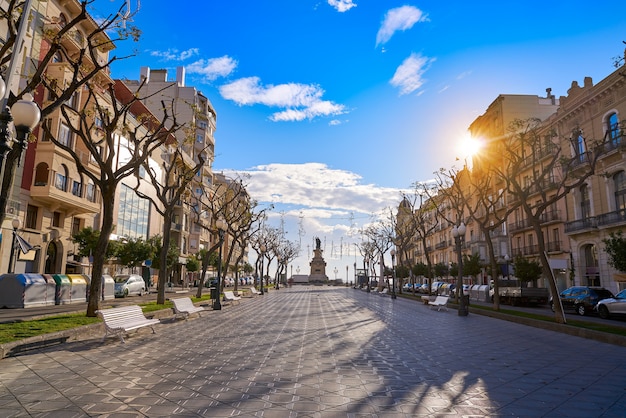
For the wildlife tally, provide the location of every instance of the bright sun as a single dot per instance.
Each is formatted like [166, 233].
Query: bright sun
[470, 146]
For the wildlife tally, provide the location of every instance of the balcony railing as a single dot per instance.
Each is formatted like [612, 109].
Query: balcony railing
[581, 225]
[612, 218]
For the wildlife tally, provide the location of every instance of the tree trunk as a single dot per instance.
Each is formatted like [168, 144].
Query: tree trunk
[165, 247]
[99, 257]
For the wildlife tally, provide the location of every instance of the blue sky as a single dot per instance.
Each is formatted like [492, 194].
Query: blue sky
[334, 106]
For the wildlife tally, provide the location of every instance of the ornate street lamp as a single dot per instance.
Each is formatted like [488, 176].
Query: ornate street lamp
[262, 248]
[16, 225]
[393, 267]
[25, 115]
[221, 228]
[459, 236]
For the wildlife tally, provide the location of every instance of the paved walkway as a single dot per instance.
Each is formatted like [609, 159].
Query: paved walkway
[322, 352]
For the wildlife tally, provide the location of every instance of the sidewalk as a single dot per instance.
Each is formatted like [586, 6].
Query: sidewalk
[321, 352]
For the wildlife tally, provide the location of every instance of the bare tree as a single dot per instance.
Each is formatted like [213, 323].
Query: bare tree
[116, 129]
[423, 204]
[538, 173]
[170, 185]
[83, 67]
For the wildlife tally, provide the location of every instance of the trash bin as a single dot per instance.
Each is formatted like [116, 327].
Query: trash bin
[78, 288]
[63, 289]
[108, 287]
[22, 290]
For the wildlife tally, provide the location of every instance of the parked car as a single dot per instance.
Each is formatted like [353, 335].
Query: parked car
[582, 299]
[129, 284]
[612, 306]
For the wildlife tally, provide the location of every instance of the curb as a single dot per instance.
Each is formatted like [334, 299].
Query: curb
[84, 332]
[553, 326]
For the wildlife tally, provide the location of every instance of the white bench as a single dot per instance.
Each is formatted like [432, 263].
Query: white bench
[254, 291]
[384, 291]
[440, 302]
[229, 296]
[123, 319]
[185, 307]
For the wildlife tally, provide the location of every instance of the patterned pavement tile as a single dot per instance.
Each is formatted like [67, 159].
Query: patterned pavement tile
[310, 352]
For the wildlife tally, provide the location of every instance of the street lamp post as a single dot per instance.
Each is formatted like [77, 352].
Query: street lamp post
[16, 224]
[336, 271]
[393, 267]
[278, 261]
[221, 228]
[262, 249]
[459, 236]
[356, 278]
[366, 267]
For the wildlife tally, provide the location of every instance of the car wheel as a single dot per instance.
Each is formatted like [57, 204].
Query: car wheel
[603, 311]
[581, 310]
[552, 307]
[125, 292]
[141, 292]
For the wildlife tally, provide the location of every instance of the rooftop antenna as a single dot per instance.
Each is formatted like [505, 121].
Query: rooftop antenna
[127, 15]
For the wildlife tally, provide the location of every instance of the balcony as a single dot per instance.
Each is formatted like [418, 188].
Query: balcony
[612, 218]
[442, 245]
[581, 225]
[61, 193]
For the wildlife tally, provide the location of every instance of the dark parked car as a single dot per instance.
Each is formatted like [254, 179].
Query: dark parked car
[612, 306]
[582, 299]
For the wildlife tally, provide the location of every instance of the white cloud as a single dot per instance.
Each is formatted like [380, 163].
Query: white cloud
[300, 101]
[315, 185]
[175, 54]
[312, 200]
[213, 68]
[342, 5]
[409, 75]
[400, 18]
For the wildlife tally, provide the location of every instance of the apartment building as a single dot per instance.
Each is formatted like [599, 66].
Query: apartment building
[592, 119]
[191, 226]
[573, 134]
[50, 197]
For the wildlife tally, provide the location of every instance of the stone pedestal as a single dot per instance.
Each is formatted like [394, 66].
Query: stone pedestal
[318, 268]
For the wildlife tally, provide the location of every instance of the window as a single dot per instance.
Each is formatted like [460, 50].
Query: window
[199, 138]
[134, 214]
[47, 125]
[60, 180]
[65, 136]
[56, 219]
[73, 101]
[613, 129]
[77, 188]
[91, 192]
[619, 182]
[585, 203]
[76, 225]
[580, 146]
[31, 217]
[57, 57]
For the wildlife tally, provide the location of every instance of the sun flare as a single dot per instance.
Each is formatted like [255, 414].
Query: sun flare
[470, 146]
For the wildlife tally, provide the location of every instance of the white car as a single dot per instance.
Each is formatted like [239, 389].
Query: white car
[612, 306]
[129, 284]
